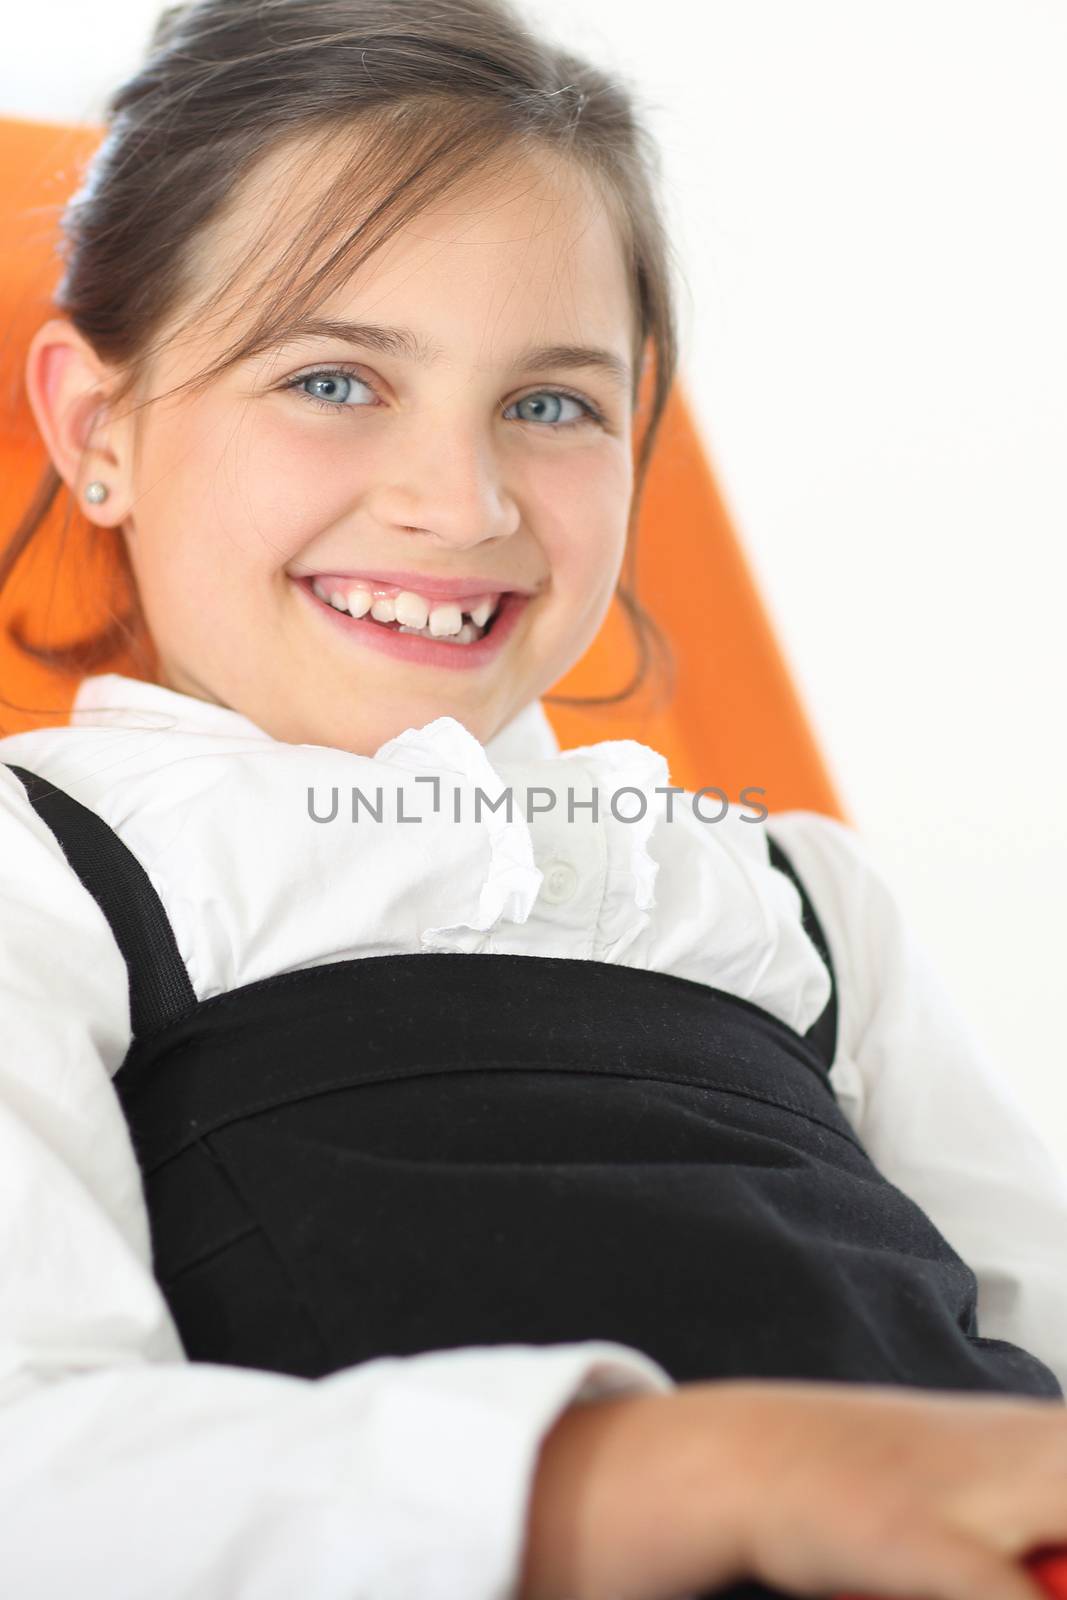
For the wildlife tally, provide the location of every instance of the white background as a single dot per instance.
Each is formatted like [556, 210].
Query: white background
[868, 199]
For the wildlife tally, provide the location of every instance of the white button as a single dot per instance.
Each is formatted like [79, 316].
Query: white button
[561, 880]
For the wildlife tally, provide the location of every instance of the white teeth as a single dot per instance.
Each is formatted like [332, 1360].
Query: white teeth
[445, 618]
[466, 635]
[411, 609]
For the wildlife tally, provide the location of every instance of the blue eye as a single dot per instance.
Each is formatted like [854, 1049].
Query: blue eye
[590, 413]
[329, 377]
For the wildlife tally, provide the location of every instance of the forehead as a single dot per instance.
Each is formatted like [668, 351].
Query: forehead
[535, 240]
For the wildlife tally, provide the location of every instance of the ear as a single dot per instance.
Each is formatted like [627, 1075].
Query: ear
[67, 389]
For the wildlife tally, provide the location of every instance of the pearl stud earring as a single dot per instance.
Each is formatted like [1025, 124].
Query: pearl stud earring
[96, 492]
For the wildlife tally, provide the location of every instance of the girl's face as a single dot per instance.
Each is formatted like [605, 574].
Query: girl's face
[335, 456]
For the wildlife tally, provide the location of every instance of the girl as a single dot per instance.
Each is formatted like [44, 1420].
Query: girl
[353, 1031]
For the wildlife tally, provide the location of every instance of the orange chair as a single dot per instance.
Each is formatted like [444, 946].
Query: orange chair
[735, 718]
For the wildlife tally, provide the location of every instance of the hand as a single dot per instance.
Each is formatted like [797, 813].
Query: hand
[893, 1492]
[1048, 1567]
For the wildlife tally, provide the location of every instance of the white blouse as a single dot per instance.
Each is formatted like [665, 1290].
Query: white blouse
[127, 1470]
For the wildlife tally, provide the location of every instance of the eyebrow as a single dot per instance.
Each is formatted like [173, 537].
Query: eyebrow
[407, 344]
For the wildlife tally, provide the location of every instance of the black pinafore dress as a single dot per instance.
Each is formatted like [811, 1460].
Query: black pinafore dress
[397, 1154]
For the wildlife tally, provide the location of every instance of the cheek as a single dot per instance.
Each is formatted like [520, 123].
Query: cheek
[583, 503]
[181, 595]
[206, 513]
[584, 537]
[583, 583]
[283, 480]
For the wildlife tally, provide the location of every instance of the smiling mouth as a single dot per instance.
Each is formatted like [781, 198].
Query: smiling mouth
[470, 646]
[459, 622]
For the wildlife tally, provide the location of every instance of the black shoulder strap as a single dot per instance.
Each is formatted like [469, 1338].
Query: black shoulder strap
[822, 1034]
[160, 990]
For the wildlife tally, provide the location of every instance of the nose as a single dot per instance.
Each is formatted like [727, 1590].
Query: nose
[447, 486]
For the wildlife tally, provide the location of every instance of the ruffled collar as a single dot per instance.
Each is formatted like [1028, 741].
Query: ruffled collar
[697, 902]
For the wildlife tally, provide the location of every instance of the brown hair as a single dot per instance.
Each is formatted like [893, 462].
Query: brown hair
[444, 91]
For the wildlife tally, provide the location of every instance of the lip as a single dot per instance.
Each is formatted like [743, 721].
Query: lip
[410, 647]
[422, 583]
